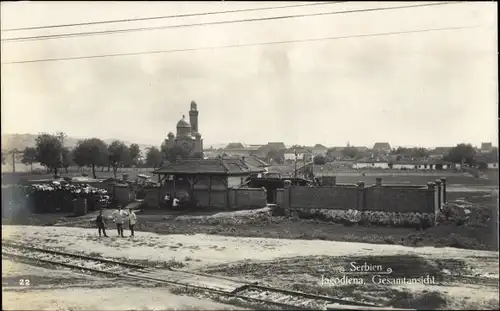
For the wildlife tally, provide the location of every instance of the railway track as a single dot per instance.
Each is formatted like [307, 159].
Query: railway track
[252, 293]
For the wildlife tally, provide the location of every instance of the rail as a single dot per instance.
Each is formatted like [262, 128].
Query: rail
[250, 292]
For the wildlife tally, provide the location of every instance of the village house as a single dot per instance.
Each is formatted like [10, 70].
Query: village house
[335, 154]
[238, 149]
[420, 164]
[382, 147]
[299, 153]
[251, 161]
[205, 182]
[319, 150]
[380, 163]
[489, 161]
[439, 152]
[486, 148]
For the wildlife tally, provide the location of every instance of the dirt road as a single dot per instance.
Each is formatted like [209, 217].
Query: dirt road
[463, 278]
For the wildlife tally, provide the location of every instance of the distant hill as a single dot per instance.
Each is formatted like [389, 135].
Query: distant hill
[21, 141]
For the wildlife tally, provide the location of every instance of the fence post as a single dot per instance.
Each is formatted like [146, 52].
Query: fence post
[81, 207]
[431, 199]
[287, 195]
[378, 181]
[495, 227]
[334, 181]
[438, 188]
[361, 196]
[443, 197]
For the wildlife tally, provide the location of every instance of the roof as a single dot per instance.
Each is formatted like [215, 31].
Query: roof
[235, 146]
[319, 146]
[382, 145]
[372, 160]
[211, 166]
[298, 150]
[249, 160]
[486, 158]
[183, 123]
[486, 146]
[256, 162]
[437, 161]
[276, 145]
[441, 150]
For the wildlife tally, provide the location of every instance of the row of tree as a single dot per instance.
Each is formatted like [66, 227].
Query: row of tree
[461, 153]
[50, 152]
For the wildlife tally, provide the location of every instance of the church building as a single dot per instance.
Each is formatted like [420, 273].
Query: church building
[188, 136]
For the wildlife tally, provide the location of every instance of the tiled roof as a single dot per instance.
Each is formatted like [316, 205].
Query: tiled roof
[249, 160]
[276, 145]
[441, 150]
[235, 146]
[319, 146]
[437, 161]
[298, 150]
[383, 145]
[486, 146]
[212, 166]
[254, 161]
[372, 160]
[491, 158]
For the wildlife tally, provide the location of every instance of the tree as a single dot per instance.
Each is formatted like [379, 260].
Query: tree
[174, 153]
[91, 152]
[134, 153]
[3, 157]
[153, 157]
[118, 153]
[49, 150]
[350, 152]
[319, 160]
[461, 153]
[29, 157]
[419, 152]
[276, 156]
[67, 158]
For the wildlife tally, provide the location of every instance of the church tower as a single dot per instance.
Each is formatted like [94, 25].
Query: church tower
[193, 117]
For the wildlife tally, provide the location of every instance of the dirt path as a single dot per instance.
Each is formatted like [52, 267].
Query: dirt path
[50, 289]
[462, 278]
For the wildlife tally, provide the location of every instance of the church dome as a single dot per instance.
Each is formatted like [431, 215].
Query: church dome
[170, 134]
[183, 123]
[197, 135]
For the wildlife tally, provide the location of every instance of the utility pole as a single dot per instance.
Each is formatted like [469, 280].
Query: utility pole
[13, 153]
[61, 137]
[295, 171]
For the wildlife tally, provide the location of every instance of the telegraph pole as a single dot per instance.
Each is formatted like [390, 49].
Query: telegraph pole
[295, 172]
[13, 153]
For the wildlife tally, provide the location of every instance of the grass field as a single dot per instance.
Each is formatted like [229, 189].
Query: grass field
[8, 177]
[11, 178]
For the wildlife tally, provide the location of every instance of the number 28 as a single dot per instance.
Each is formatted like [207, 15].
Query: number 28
[24, 282]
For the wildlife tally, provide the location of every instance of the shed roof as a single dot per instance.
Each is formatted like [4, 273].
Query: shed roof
[209, 166]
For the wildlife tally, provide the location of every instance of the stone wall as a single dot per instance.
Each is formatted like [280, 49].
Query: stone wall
[323, 197]
[241, 198]
[398, 199]
[427, 199]
[236, 198]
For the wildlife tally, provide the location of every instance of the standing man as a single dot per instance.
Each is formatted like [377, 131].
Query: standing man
[132, 220]
[119, 217]
[176, 203]
[100, 222]
[168, 200]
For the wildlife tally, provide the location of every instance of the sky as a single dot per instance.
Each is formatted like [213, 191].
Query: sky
[435, 88]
